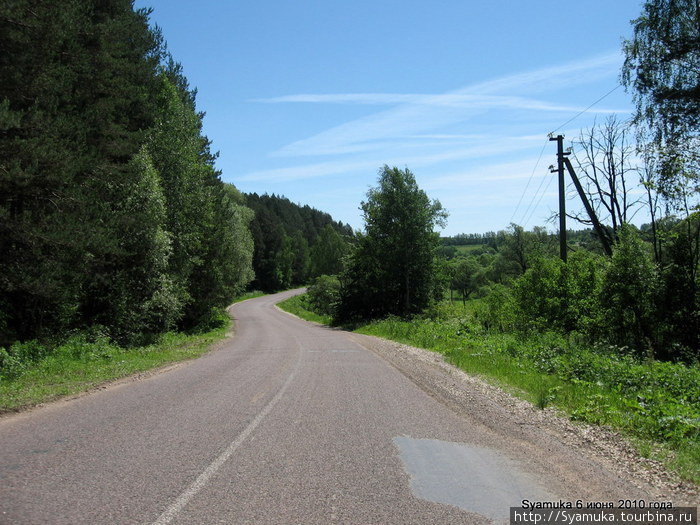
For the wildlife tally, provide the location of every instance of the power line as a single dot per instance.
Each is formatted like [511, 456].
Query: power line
[589, 107]
[532, 200]
[551, 178]
[529, 180]
[539, 158]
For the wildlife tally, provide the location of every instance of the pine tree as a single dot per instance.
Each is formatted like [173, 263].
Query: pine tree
[77, 80]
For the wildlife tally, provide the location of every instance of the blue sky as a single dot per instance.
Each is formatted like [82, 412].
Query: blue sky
[308, 99]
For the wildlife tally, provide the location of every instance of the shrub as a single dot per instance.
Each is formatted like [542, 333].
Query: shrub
[679, 297]
[496, 310]
[540, 295]
[15, 359]
[323, 295]
[552, 294]
[628, 293]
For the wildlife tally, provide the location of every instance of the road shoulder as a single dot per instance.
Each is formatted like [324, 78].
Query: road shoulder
[543, 429]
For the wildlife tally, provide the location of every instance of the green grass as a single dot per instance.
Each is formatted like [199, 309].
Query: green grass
[466, 249]
[37, 374]
[78, 365]
[656, 404]
[297, 305]
[248, 295]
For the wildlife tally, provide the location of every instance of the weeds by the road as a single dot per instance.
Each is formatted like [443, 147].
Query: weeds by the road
[298, 306]
[656, 403]
[80, 364]
[248, 295]
[34, 372]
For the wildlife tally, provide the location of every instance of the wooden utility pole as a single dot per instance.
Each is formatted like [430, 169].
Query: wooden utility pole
[561, 162]
[562, 195]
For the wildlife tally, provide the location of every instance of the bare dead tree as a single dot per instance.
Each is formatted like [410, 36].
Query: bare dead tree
[647, 178]
[605, 158]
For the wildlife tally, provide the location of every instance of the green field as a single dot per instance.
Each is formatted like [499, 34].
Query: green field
[467, 249]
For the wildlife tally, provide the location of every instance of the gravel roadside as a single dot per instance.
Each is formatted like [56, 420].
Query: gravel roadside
[591, 450]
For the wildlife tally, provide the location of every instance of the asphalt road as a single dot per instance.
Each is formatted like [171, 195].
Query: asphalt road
[286, 422]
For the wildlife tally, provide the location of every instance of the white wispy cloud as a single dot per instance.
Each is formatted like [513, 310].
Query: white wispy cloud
[504, 171]
[554, 77]
[480, 149]
[452, 100]
[473, 148]
[429, 114]
[307, 171]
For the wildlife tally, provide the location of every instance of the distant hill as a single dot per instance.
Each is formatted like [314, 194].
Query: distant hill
[285, 235]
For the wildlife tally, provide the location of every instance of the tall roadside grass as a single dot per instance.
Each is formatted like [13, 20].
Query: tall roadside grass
[299, 306]
[656, 403]
[80, 364]
[248, 295]
[34, 372]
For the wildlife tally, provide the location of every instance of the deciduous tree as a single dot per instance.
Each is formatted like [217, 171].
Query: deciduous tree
[393, 270]
[662, 68]
[609, 175]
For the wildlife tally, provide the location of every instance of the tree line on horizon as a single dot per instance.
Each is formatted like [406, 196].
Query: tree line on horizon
[294, 243]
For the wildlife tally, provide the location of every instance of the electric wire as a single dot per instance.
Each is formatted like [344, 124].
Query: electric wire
[539, 158]
[529, 180]
[532, 200]
[585, 110]
[549, 183]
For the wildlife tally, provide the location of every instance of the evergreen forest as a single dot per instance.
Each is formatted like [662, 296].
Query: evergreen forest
[293, 243]
[114, 220]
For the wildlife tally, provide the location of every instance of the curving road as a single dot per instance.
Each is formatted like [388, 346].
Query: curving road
[286, 422]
